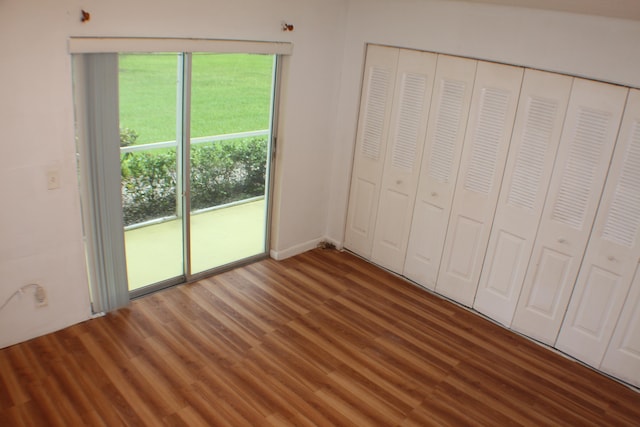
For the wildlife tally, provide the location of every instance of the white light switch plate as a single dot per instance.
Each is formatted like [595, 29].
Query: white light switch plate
[53, 179]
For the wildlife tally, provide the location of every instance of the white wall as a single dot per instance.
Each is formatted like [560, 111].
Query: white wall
[589, 46]
[41, 230]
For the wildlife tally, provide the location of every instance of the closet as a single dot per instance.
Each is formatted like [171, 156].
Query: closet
[409, 112]
[371, 145]
[588, 136]
[442, 150]
[493, 109]
[509, 190]
[542, 106]
[610, 263]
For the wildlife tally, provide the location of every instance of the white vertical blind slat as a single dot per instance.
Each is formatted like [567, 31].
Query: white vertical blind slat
[97, 90]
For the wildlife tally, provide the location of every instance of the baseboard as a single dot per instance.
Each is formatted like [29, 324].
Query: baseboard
[295, 250]
[302, 247]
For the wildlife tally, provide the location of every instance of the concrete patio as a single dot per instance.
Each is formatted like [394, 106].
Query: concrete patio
[218, 237]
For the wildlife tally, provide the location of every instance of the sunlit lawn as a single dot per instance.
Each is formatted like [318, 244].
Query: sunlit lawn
[230, 93]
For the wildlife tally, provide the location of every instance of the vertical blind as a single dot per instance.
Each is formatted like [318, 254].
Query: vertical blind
[96, 100]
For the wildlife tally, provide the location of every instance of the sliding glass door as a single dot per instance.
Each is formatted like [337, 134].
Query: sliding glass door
[149, 136]
[195, 132]
[231, 98]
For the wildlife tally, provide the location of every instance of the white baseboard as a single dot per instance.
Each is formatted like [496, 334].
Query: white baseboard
[302, 247]
[294, 250]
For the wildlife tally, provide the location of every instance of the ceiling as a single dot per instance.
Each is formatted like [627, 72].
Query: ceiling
[628, 9]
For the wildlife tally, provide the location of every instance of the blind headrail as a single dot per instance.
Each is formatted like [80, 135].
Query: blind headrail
[147, 44]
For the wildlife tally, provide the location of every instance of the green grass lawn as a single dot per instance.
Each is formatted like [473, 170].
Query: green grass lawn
[230, 93]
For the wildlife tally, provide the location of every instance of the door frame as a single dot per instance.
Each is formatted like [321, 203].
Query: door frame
[111, 281]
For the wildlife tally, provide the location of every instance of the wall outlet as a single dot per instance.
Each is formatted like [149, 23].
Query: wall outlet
[40, 296]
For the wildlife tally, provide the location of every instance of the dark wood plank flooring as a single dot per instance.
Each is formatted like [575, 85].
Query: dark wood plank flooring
[321, 339]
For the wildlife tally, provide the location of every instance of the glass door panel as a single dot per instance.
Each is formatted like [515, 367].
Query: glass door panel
[231, 108]
[222, 105]
[151, 205]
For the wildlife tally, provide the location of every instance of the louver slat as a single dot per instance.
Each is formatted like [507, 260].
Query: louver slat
[411, 111]
[530, 162]
[493, 109]
[585, 155]
[447, 125]
[622, 223]
[375, 110]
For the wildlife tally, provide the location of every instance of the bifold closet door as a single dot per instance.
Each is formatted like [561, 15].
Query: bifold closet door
[409, 115]
[536, 134]
[613, 252]
[493, 107]
[448, 116]
[589, 134]
[371, 146]
[622, 358]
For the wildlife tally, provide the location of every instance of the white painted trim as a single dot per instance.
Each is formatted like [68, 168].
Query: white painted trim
[294, 250]
[143, 44]
[303, 247]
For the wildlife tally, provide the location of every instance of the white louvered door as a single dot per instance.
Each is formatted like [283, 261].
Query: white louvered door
[410, 111]
[588, 137]
[622, 358]
[371, 146]
[508, 218]
[542, 107]
[493, 108]
[451, 99]
[613, 252]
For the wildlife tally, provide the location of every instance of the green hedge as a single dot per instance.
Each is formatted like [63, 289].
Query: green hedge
[221, 172]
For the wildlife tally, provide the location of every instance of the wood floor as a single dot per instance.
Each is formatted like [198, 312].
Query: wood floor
[319, 339]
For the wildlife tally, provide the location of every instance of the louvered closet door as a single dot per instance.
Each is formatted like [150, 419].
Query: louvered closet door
[371, 146]
[622, 358]
[412, 99]
[450, 103]
[588, 137]
[613, 251]
[541, 110]
[493, 107]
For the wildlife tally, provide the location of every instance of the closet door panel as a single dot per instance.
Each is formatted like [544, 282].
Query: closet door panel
[493, 108]
[588, 137]
[410, 112]
[613, 251]
[371, 146]
[451, 99]
[541, 111]
[622, 358]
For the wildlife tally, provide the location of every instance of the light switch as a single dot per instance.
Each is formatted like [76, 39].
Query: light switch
[53, 179]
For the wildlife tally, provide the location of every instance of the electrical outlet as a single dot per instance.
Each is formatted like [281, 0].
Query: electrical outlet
[40, 296]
